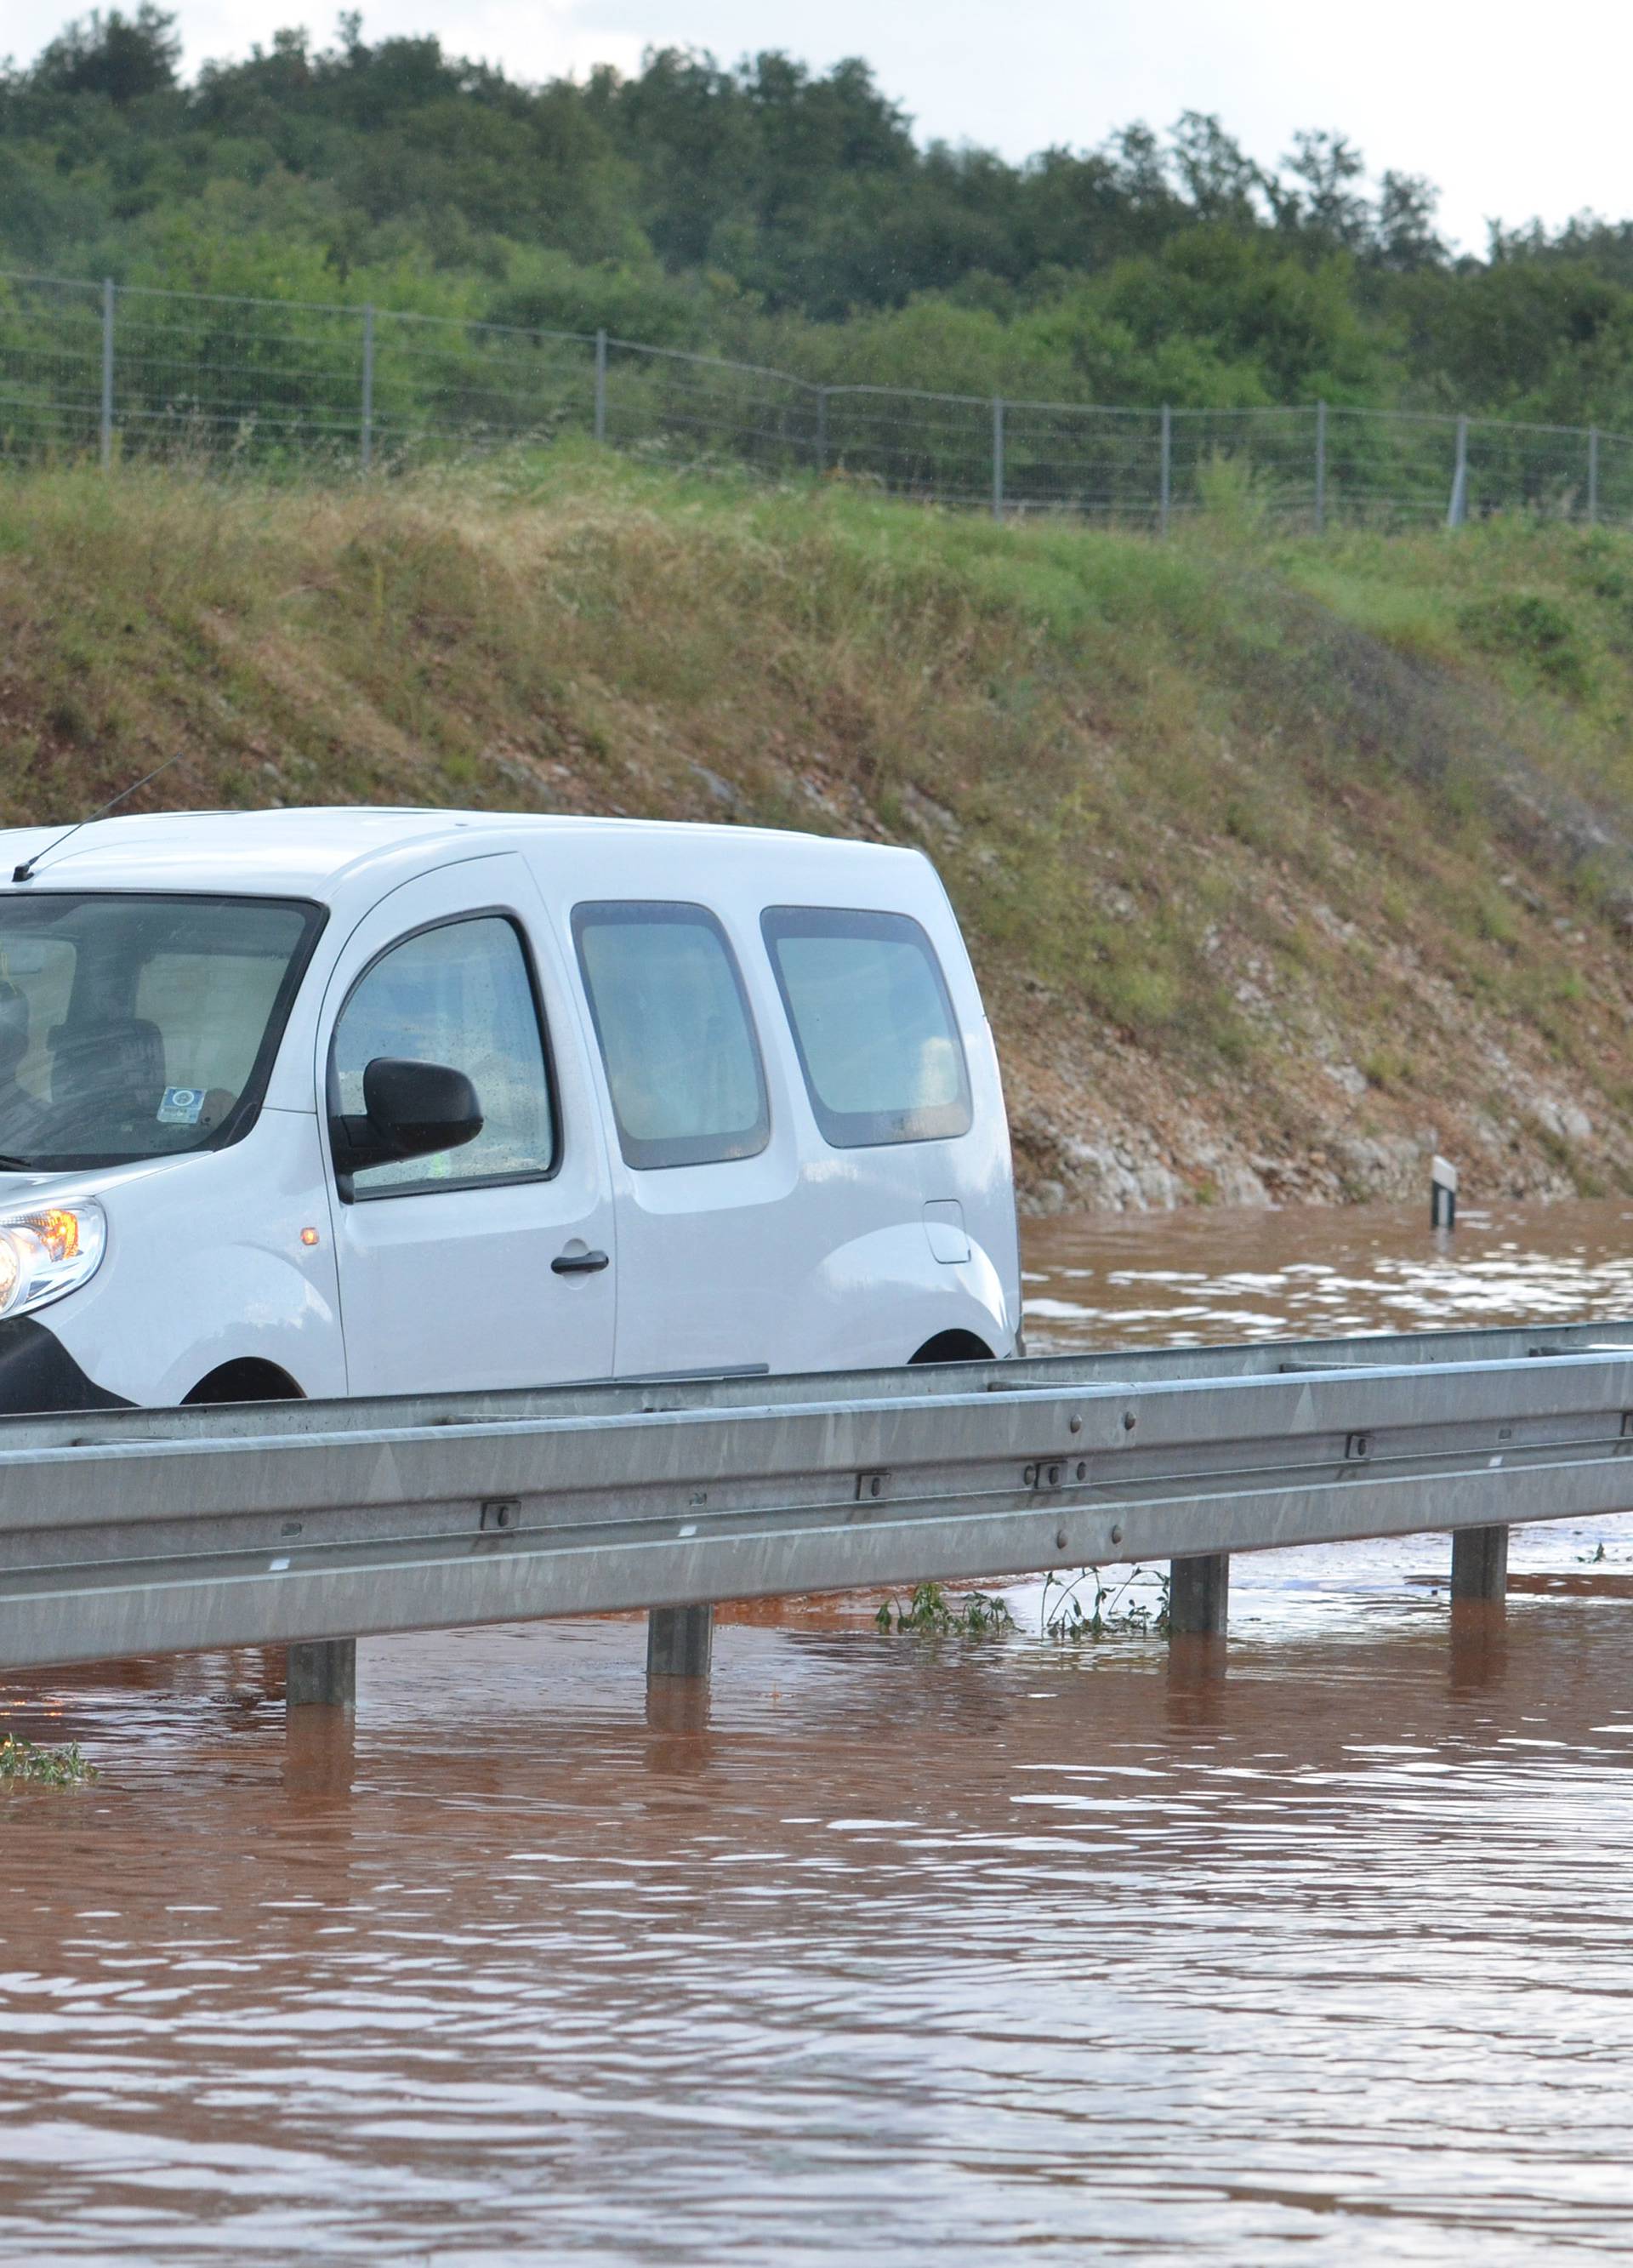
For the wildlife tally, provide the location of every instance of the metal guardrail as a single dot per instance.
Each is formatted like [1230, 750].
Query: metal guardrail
[138, 1531]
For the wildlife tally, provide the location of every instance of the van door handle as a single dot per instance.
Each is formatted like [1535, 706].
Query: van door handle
[579, 1263]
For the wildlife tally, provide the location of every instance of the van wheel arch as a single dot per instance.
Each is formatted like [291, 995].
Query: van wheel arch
[249, 1379]
[953, 1346]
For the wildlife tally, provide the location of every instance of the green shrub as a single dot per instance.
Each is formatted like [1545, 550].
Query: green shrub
[1535, 630]
[21, 1760]
[930, 1609]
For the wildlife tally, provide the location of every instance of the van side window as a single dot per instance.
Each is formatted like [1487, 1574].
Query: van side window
[672, 1022]
[461, 994]
[873, 1024]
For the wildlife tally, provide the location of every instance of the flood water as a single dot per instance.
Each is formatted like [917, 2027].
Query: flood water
[900, 1948]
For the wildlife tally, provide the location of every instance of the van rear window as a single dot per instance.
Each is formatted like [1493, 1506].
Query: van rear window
[873, 1024]
[682, 1061]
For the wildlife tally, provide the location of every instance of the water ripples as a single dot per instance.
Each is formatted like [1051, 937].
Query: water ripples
[1195, 1279]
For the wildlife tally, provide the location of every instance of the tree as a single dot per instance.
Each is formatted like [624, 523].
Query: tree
[1333, 206]
[1404, 236]
[120, 57]
[1221, 182]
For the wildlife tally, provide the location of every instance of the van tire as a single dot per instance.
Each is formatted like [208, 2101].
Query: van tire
[954, 1346]
[247, 1380]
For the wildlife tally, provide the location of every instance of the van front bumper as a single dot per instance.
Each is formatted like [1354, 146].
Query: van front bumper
[38, 1374]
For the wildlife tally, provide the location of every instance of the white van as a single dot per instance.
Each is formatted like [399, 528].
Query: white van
[331, 1102]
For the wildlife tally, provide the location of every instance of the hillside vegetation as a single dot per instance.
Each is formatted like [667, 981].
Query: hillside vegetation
[790, 217]
[1281, 863]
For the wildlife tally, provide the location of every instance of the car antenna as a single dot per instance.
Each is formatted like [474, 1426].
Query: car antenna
[25, 873]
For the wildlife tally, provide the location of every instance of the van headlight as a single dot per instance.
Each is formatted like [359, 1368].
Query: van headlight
[47, 1252]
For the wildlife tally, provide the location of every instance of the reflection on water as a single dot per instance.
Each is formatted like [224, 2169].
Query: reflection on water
[888, 1948]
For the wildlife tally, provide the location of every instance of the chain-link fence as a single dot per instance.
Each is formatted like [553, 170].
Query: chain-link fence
[90, 369]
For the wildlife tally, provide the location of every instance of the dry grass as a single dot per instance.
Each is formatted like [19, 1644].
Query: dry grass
[1262, 849]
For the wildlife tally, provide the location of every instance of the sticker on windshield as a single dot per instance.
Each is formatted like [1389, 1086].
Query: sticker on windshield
[182, 1106]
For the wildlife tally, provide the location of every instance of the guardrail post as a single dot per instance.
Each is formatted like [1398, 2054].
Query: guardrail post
[679, 1641]
[322, 1672]
[1480, 1564]
[1592, 475]
[367, 436]
[1320, 467]
[106, 436]
[998, 459]
[1165, 502]
[600, 386]
[1199, 1595]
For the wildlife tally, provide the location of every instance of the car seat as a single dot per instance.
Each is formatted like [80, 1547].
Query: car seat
[119, 1066]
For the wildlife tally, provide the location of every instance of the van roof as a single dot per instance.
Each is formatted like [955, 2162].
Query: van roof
[306, 852]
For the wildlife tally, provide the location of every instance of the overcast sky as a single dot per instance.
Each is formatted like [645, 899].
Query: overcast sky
[1512, 112]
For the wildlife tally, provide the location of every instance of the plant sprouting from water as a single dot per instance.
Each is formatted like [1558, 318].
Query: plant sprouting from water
[1116, 1610]
[930, 1609]
[21, 1760]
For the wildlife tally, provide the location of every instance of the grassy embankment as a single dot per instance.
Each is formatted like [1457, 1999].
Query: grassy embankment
[1280, 862]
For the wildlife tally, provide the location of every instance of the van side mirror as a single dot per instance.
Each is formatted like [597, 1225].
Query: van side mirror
[409, 1110]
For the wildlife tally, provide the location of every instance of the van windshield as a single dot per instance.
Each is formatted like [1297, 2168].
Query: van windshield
[134, 1027]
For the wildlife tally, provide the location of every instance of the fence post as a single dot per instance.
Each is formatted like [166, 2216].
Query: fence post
[600, 386]
[1320, 466]
[1166, 496]
[368, 385]
[1457, 510]
[108, 372]
[821, 432]
[997, 458]
[1592, 475]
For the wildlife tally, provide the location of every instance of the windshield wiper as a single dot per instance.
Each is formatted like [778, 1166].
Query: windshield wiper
[17, 1166]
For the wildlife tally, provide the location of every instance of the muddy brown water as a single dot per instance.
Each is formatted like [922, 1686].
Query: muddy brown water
[898, 1948]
